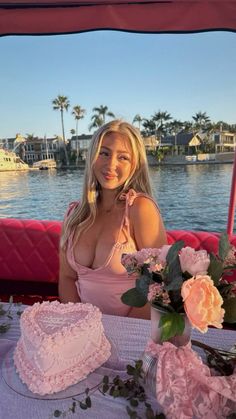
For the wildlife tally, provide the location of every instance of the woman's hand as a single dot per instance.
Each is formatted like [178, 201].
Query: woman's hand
[67, 278]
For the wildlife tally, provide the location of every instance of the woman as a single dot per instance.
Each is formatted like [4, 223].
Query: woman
[116, 215]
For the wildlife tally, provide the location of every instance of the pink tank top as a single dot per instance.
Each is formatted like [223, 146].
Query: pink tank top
[104, 286]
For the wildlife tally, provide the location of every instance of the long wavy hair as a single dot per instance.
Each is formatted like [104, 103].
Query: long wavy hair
[83, 215]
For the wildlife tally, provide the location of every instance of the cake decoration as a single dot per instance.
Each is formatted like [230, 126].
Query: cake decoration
[60, 345]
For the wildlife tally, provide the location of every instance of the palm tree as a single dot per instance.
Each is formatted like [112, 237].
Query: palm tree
[149, 127]
[62, 104]
[78, 113]
[102, 111]
[160, 119]
[138, 119]
[174, 128]
[201, 121]
[97, 122]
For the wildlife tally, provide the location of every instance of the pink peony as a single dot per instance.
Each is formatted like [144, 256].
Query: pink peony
[194, 262]
[202, 303]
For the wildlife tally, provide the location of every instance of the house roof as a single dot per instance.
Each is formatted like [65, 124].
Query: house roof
[81, 137]
[183, 139]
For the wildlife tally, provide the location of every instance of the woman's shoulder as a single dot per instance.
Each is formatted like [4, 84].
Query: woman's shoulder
[139, 202]
[144, 206]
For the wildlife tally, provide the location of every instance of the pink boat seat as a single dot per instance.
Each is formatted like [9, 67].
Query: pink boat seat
[29, 263]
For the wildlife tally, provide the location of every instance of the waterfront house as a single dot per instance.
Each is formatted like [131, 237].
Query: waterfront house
[150, 143]
[42, 148]
[182, 143]
[80, 144]
[224, 141]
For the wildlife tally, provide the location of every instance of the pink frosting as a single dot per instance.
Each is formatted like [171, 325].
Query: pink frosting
[60, 344]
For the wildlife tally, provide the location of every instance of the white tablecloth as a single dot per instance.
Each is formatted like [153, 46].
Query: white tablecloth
[128, 336]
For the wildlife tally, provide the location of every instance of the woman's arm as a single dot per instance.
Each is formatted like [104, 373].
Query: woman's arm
[67, 277]
[148, 231]
[147, 227]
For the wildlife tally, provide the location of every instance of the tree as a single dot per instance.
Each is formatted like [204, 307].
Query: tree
[99, 116]
[138, 119]
[78, 113]
[149, 127]
[97, 122]
[62, 104]
[174, 128]
[202, 121]
[160, 119]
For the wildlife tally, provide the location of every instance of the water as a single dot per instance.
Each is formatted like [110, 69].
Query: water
[190, 197]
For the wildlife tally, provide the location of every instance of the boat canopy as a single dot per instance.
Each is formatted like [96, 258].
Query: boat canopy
[52, 17]
[44, 17]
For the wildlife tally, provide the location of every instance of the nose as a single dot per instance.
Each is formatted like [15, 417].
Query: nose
[112, 162]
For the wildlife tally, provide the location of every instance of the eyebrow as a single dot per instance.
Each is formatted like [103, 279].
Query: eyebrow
[118, 151]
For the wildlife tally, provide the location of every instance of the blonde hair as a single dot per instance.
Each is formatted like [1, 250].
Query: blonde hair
[83, 215]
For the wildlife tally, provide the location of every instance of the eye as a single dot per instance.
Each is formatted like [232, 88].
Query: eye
[103, 153]
[124, 157]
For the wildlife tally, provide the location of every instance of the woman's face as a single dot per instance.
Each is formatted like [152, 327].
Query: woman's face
[114, 163]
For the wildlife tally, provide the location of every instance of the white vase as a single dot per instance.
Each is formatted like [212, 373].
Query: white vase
[178, 340]
[150, 362]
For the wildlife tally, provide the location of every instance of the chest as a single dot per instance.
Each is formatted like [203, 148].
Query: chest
[95, 245]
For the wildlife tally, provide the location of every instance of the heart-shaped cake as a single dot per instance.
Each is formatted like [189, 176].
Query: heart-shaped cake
[60, 344]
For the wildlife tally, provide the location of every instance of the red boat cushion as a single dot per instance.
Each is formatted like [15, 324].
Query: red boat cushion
[29, 260]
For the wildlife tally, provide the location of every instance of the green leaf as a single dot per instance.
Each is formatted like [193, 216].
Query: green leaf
[2, 311]
[150, 413]
[57, 413]
[215, 269]
[133, 298]
[133, 402]
[88, 402]
[4, 327]
[82, 406]
[105, 379]
[130, 370]
[173, 252]
[174, 277]
[230, 310]
[224, 245]
[171, 324]
[142, 284]
[105, 388]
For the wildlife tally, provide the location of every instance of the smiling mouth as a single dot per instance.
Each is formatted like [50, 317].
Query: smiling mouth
[108, 176]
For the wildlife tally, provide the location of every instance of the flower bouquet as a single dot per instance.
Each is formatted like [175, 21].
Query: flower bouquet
[177, 279]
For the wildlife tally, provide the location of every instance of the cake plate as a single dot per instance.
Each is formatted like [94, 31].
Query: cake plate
[13, 381]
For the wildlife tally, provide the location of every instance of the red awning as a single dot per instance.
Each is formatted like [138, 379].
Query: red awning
[25, 17]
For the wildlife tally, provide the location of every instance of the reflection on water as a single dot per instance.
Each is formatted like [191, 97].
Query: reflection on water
[190, 197]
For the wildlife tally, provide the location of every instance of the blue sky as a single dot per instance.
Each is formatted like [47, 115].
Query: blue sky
[130, 73]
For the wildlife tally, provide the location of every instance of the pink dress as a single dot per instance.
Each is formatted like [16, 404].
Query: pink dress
[104, 286]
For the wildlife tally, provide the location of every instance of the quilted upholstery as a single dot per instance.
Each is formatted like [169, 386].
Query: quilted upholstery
[29, 254]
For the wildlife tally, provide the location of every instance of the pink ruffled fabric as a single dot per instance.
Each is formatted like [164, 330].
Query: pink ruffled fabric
[185, 388]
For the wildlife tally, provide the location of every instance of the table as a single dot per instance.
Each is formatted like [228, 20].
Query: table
[129, 336]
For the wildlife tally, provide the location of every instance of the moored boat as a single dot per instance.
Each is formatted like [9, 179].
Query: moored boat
[9, 161]
[45, 164]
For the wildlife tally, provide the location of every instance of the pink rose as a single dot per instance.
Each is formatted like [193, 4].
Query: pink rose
[193, 261]
[202, 303]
